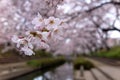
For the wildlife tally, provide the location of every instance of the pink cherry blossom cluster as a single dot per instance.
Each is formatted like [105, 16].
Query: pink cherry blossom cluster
[44, 30]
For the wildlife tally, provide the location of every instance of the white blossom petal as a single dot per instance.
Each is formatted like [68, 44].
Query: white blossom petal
[27, 51]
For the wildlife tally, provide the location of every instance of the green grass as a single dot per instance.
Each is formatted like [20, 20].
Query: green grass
[114, 53]
[9, 53]
[46, 62]
[82, 62]
[42, 53]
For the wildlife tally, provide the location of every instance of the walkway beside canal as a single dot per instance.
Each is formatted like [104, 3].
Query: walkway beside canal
[101, 71]
[13, 69]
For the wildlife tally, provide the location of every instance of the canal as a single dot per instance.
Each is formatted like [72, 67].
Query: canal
[63, 72]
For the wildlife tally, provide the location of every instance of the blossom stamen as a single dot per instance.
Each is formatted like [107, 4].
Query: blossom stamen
[51, 22]
[34, 34]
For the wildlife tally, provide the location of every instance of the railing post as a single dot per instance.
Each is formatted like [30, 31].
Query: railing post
[82, 72]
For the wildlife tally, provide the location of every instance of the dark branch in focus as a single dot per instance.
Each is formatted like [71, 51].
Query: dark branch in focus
[111, 29]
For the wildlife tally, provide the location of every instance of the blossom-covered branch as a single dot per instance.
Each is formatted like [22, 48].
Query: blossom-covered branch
[44, 29]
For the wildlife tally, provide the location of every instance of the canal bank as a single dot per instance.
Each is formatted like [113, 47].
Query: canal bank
[61, 72]
[14, 70]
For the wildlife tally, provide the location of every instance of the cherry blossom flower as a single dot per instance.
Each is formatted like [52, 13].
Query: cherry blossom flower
[52, 22]
[15, 39]
[44, 45]
[19, 40]
[44, 30]
[56, 34]
[37, 34]
[24, 45]
[27, 51]
[45, 36]
[38, 22]
[34, 34]
[63, 25]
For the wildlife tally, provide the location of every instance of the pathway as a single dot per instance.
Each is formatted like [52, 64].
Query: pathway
[101, 72]
[13, 69]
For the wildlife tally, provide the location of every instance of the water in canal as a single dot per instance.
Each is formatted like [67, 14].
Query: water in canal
[63, 72]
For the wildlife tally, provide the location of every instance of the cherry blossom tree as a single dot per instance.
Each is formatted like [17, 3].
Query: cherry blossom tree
[62, 26]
